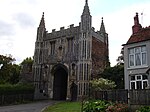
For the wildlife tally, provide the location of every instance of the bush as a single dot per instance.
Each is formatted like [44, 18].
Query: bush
[118, 107]
[16, 89]
[104, 106]
[95, 106]
[144, 109]
[102, 84]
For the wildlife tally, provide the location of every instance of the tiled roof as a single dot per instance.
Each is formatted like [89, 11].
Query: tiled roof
[142, 35]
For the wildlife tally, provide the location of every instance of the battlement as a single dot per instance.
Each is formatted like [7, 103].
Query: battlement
[147, 27]
[63, 28]
[64, 32]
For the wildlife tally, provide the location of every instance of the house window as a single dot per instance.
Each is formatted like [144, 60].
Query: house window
[138, 82]
[137, 56]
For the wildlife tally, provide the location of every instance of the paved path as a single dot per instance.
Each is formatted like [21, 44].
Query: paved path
[30, 107]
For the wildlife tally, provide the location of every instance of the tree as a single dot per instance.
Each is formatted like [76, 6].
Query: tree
[27, 64]
[102, 84]
[120, 59]
[28, 60]
[9, 72]
[15, 74]
[115, 74]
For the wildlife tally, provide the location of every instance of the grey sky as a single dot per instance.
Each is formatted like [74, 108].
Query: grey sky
[6, 29]
[24, 20]
[20, 18]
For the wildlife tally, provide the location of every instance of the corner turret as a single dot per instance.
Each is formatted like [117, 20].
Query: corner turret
[86, 18]
[42, 22]
[102, 31]
[86, 10]
[41, 29]
[102, 28]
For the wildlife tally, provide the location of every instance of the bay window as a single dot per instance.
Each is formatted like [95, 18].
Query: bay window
[137, 56]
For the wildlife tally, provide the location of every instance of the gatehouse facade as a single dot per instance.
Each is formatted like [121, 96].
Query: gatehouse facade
[76, 54]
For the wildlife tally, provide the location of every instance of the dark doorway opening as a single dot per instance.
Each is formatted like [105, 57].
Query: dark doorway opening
[60, 83]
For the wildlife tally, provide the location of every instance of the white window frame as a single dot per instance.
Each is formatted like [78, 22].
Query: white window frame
[134, 56]
[136, 80]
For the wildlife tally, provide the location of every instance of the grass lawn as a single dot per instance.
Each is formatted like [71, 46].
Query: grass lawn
[65, 107]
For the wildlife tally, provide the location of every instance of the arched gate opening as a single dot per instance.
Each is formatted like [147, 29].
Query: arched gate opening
[60, 82]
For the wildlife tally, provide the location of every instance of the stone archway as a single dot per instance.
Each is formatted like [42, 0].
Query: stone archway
[60, 82]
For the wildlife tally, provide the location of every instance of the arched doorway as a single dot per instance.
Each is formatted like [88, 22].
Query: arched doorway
[60, 82]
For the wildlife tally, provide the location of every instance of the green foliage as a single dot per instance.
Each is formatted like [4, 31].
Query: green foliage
[14, 77]
[144, 109]
[115, 74]
[95, 106]
[9, 72]
[6, 59]
[28, 61]
[16, 89]
[120, 59]
[102, 84]
[26, 64]
[104, 106]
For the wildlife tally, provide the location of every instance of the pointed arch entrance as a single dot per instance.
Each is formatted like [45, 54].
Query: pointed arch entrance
[60, 82]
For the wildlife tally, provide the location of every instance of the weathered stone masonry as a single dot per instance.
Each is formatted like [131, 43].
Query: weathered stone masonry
[76, 54]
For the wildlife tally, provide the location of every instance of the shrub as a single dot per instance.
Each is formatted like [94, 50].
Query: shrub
[144, 109]
[104, 106]
[102, 84]
[95, 106]
[118, 107]
[16, 89]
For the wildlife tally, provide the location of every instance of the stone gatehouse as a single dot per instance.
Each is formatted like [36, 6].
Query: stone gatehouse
[75, 54]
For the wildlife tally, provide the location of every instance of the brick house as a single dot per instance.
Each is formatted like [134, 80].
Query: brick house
[136, 57]
[75, 54]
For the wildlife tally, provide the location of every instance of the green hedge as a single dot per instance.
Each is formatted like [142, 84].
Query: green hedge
[16, 89]
[144, 109]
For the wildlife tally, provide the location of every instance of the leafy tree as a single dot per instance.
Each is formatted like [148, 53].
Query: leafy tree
[27, 64]
[102, 84]
[115, 74]
[28, 60]
[15, 74]
[9, 72]
[120, 59]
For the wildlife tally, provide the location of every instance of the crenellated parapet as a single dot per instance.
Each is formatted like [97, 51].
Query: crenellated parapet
[69, 32]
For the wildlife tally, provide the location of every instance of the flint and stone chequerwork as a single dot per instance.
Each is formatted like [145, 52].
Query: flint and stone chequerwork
[75, 54]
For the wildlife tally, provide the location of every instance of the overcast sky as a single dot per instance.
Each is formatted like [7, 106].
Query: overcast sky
[19, 20]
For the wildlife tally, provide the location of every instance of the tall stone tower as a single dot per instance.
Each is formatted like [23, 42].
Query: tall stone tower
[76, 54]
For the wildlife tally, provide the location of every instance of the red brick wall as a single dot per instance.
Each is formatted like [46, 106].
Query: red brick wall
[99, 56]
